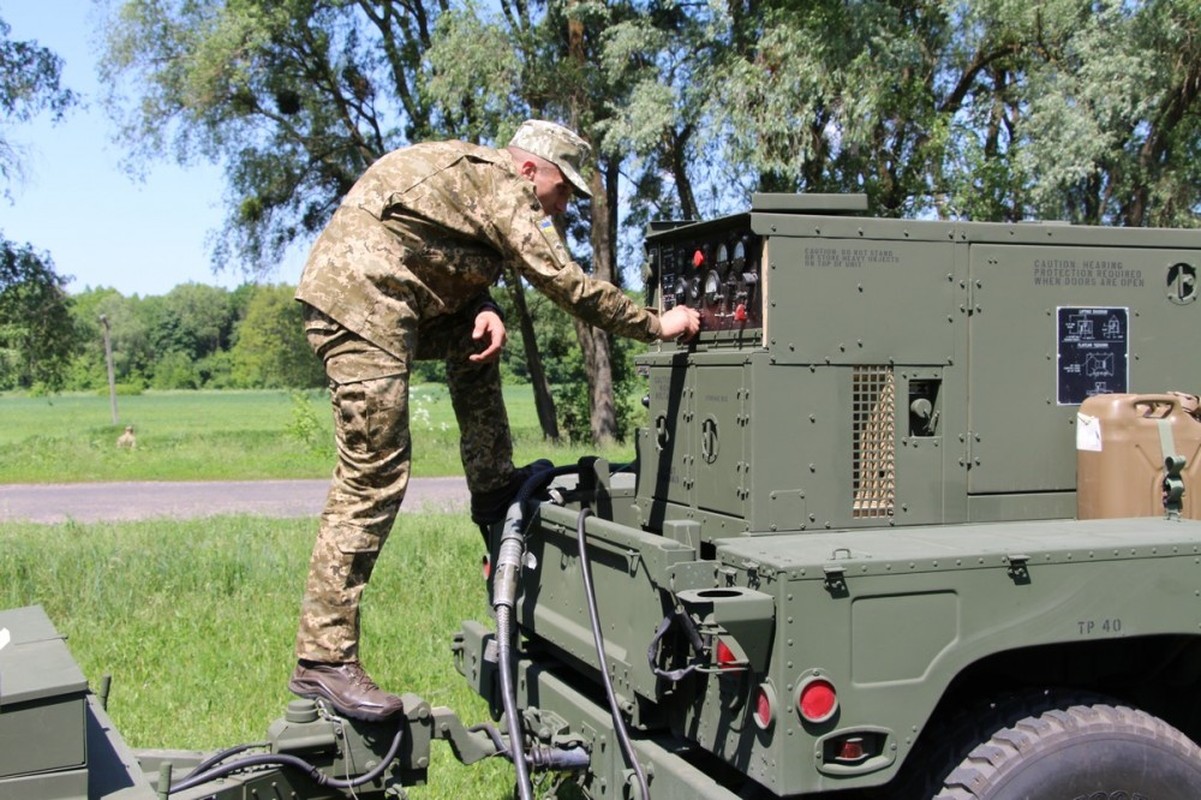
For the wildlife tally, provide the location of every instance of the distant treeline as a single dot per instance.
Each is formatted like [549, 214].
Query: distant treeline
[194, 337]
[204, 337]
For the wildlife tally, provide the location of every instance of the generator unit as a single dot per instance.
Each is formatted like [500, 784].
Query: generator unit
[847, 562]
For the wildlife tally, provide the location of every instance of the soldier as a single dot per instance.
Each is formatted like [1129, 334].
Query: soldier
[402, 272]
[127, 440]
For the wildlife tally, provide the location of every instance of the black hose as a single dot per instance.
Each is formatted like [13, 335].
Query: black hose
[217, 758]
[505, 575]
[619, 725]
[493, 734]
[508, 697]
[286, 760]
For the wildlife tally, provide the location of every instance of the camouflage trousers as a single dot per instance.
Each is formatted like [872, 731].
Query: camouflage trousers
[370, 394]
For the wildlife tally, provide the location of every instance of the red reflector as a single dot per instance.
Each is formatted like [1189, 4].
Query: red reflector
[817, 700]
[725, 656]
[765, 706]
[851, 750]
[698, 258]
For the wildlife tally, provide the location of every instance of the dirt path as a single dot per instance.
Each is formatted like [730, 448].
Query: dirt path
[105, 502]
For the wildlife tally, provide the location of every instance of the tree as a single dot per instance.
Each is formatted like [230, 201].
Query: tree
[986, 109]
[36, 334]
[296, 98]
[29, 84]
[1114, 117]
[193, 321]
[271, 350]
[545, 60]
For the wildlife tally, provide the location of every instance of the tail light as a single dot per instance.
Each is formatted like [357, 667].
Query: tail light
[730, 657]
[764, 706]
[817, 699]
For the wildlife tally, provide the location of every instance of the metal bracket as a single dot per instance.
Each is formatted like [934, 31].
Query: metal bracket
[1019, 568]
[1173, 486]
[836, 580]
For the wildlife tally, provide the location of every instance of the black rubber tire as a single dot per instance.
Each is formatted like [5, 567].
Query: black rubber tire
[1082, 749]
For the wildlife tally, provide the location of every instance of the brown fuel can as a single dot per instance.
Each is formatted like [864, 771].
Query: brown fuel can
[1122, 443]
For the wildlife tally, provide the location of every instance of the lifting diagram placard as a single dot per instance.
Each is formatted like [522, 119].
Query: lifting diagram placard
[1093, 349]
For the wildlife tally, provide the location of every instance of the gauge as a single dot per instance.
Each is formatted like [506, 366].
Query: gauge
[739, 254]
[681, 290]
[721, 256]
[694, 288]
[714, 290]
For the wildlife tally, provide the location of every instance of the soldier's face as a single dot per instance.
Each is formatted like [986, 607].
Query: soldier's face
[552, 188]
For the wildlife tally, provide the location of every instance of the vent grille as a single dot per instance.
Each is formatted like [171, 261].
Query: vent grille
[873, 426]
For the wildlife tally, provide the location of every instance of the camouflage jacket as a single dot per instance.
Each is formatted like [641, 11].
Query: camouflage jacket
[427, 230]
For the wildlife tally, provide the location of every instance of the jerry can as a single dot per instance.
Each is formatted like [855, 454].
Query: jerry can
[1138, 455]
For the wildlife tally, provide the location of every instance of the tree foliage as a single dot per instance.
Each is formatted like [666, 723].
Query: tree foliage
[29, 84]
[36, 334]
[980, 109]
[296, 98]
[271, 349]
[986, 109]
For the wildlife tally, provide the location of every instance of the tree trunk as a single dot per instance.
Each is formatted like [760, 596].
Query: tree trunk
[602, 411]
[544, 403]
[594, 343]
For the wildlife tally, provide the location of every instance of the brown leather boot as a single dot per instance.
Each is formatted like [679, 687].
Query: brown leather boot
[347, 687]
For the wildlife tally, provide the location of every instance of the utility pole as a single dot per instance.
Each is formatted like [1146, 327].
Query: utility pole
[108, 360]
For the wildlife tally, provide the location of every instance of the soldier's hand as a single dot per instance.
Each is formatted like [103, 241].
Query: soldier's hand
[680, 322]
[489, 329]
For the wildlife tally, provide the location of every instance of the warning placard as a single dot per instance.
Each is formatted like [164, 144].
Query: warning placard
[1093, 347]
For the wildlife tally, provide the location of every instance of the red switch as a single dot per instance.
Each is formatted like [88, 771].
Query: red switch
[698, 258]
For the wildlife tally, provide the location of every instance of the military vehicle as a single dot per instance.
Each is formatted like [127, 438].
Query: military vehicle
[848, 562]
[914, 516]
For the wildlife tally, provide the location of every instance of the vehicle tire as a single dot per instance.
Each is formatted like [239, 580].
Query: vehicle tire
[1047, 747]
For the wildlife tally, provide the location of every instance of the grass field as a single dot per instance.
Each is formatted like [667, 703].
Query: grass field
[230, 435]
[194, 620]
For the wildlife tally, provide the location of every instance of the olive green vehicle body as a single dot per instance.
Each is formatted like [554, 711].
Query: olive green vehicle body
[863, 472]
[867, 473]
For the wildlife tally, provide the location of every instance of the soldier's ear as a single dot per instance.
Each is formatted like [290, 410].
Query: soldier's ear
[528, 169]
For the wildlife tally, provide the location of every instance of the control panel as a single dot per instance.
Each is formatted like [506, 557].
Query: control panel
[717, 272]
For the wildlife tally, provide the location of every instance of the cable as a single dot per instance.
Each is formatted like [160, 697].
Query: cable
[217, 758]
[285, 760]
[504, 621]
[619, 726]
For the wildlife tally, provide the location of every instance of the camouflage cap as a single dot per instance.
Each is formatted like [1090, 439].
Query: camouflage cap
[558, 145]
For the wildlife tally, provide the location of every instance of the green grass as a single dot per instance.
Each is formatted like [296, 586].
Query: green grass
[195, 621]
[231, 435]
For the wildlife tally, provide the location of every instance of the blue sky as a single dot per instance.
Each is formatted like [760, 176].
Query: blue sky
[98, 224]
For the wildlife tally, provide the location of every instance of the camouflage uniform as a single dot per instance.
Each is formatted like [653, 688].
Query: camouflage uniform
[400, 273]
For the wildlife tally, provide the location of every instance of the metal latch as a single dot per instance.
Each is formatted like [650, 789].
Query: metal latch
[836, 579]
[1019, 568]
